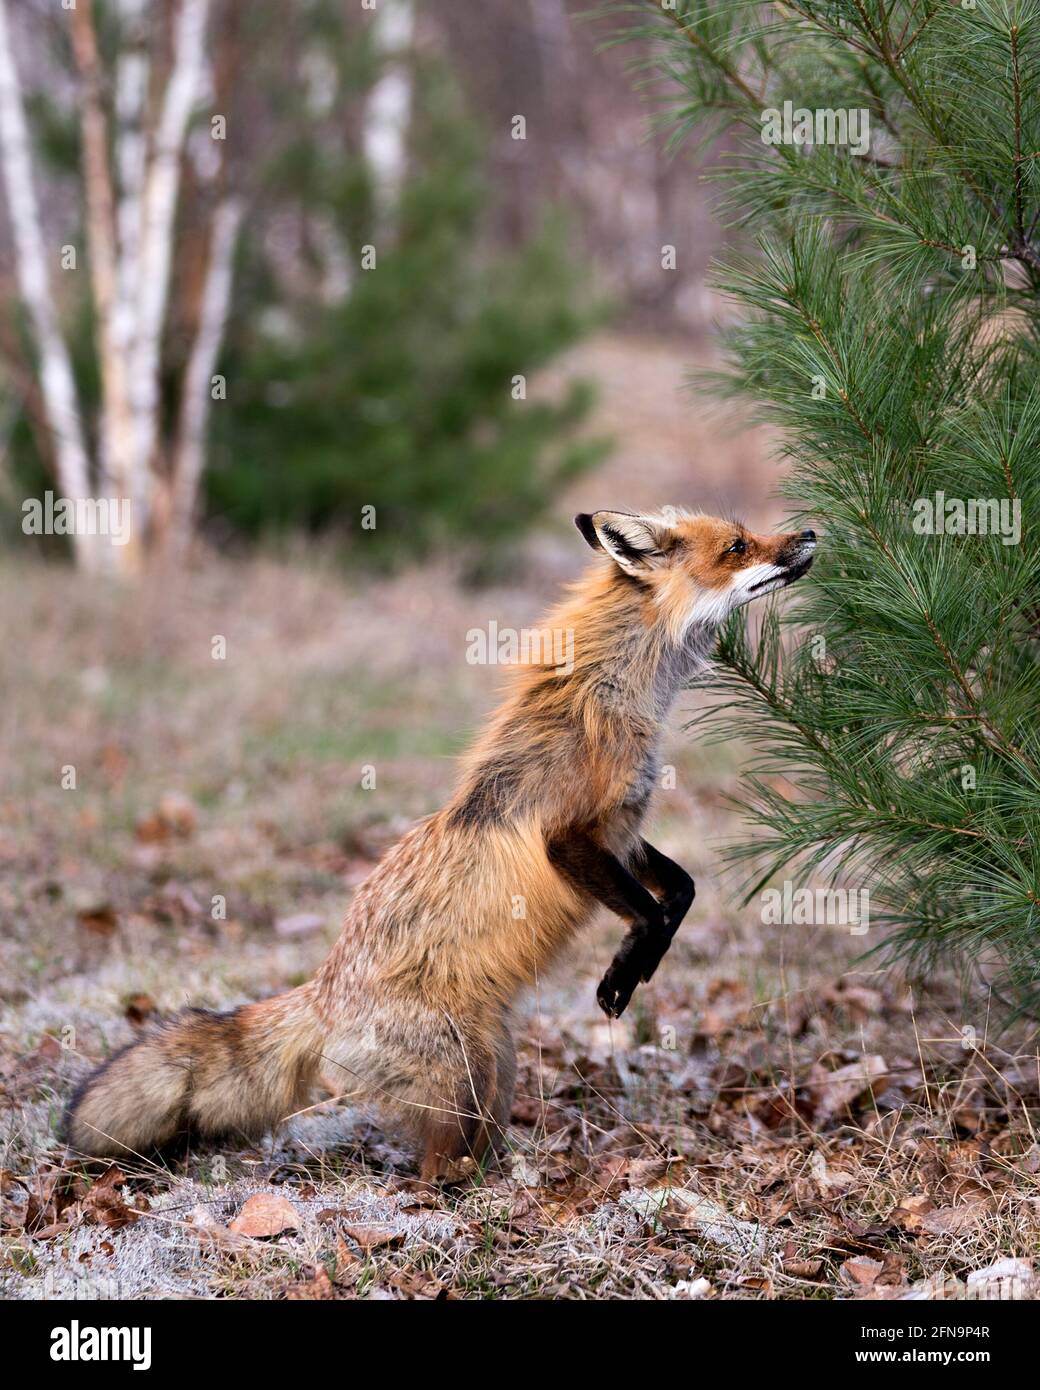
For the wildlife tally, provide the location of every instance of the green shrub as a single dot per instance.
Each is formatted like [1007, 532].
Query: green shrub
[401, 396]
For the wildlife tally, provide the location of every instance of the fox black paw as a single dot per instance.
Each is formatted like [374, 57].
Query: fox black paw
[617, 987]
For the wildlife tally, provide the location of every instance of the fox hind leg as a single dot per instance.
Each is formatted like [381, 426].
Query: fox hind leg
[455, 1129]
[470, 1115]
[450, 1080]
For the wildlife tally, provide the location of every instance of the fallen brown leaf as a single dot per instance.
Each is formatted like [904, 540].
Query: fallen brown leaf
[214, 1233]
[108, 1209]
[264, 1215]
[836, 1091]
[420, 1286]
[53, 1193]
[345, 1257]
[374, 1237]
[861, 1272]
[950, 1220]
[911, 1211]
[320, 1288]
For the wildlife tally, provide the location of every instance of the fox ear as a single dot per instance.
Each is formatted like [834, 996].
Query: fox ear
[583, 521]
[635, 543]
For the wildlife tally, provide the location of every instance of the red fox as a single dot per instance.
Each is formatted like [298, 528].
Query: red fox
[411, 1009]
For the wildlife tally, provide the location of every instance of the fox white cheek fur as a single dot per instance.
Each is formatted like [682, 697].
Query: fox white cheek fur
[712, 608]
[754, 582]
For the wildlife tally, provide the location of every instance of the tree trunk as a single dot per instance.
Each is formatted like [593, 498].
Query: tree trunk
[157, 230]
[387, 116]
[116, 426]
[55, 367]
[131, 88]
[196, 391]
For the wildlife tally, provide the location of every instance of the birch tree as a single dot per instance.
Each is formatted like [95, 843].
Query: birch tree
[54, 367]
[385, 135]
[134, 128]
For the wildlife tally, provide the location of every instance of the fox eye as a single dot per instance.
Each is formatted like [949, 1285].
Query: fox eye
[739, 547]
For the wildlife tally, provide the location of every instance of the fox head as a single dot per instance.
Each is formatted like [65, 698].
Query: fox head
[699, 568]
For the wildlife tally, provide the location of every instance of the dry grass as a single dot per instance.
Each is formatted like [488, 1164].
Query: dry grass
[713, 1143]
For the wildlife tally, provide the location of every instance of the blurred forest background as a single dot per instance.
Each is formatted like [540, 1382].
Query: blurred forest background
[263, 257]
[266, 268]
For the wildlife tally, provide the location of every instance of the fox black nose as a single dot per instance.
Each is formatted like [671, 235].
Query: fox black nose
[807, 536]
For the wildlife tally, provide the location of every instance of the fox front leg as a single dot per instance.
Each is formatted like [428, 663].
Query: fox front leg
[597, 872]
[676, 891]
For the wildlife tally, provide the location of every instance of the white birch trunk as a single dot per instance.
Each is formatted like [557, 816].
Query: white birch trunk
[131, 88]
[57, 383]
[389, 107]
[196, 390]
[116, 432]
[159, 206]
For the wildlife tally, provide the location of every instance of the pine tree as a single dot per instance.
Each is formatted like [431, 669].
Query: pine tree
[401, 392]
[889, 326]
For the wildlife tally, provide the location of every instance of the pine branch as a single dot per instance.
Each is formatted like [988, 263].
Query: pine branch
[928, 358]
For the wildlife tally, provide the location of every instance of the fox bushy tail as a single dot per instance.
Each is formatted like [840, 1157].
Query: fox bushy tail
[202, 1074]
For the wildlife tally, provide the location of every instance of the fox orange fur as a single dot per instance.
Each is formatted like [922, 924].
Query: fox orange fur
[411, 1008]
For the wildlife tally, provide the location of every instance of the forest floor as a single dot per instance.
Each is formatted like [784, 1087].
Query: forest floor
[773, 1118]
